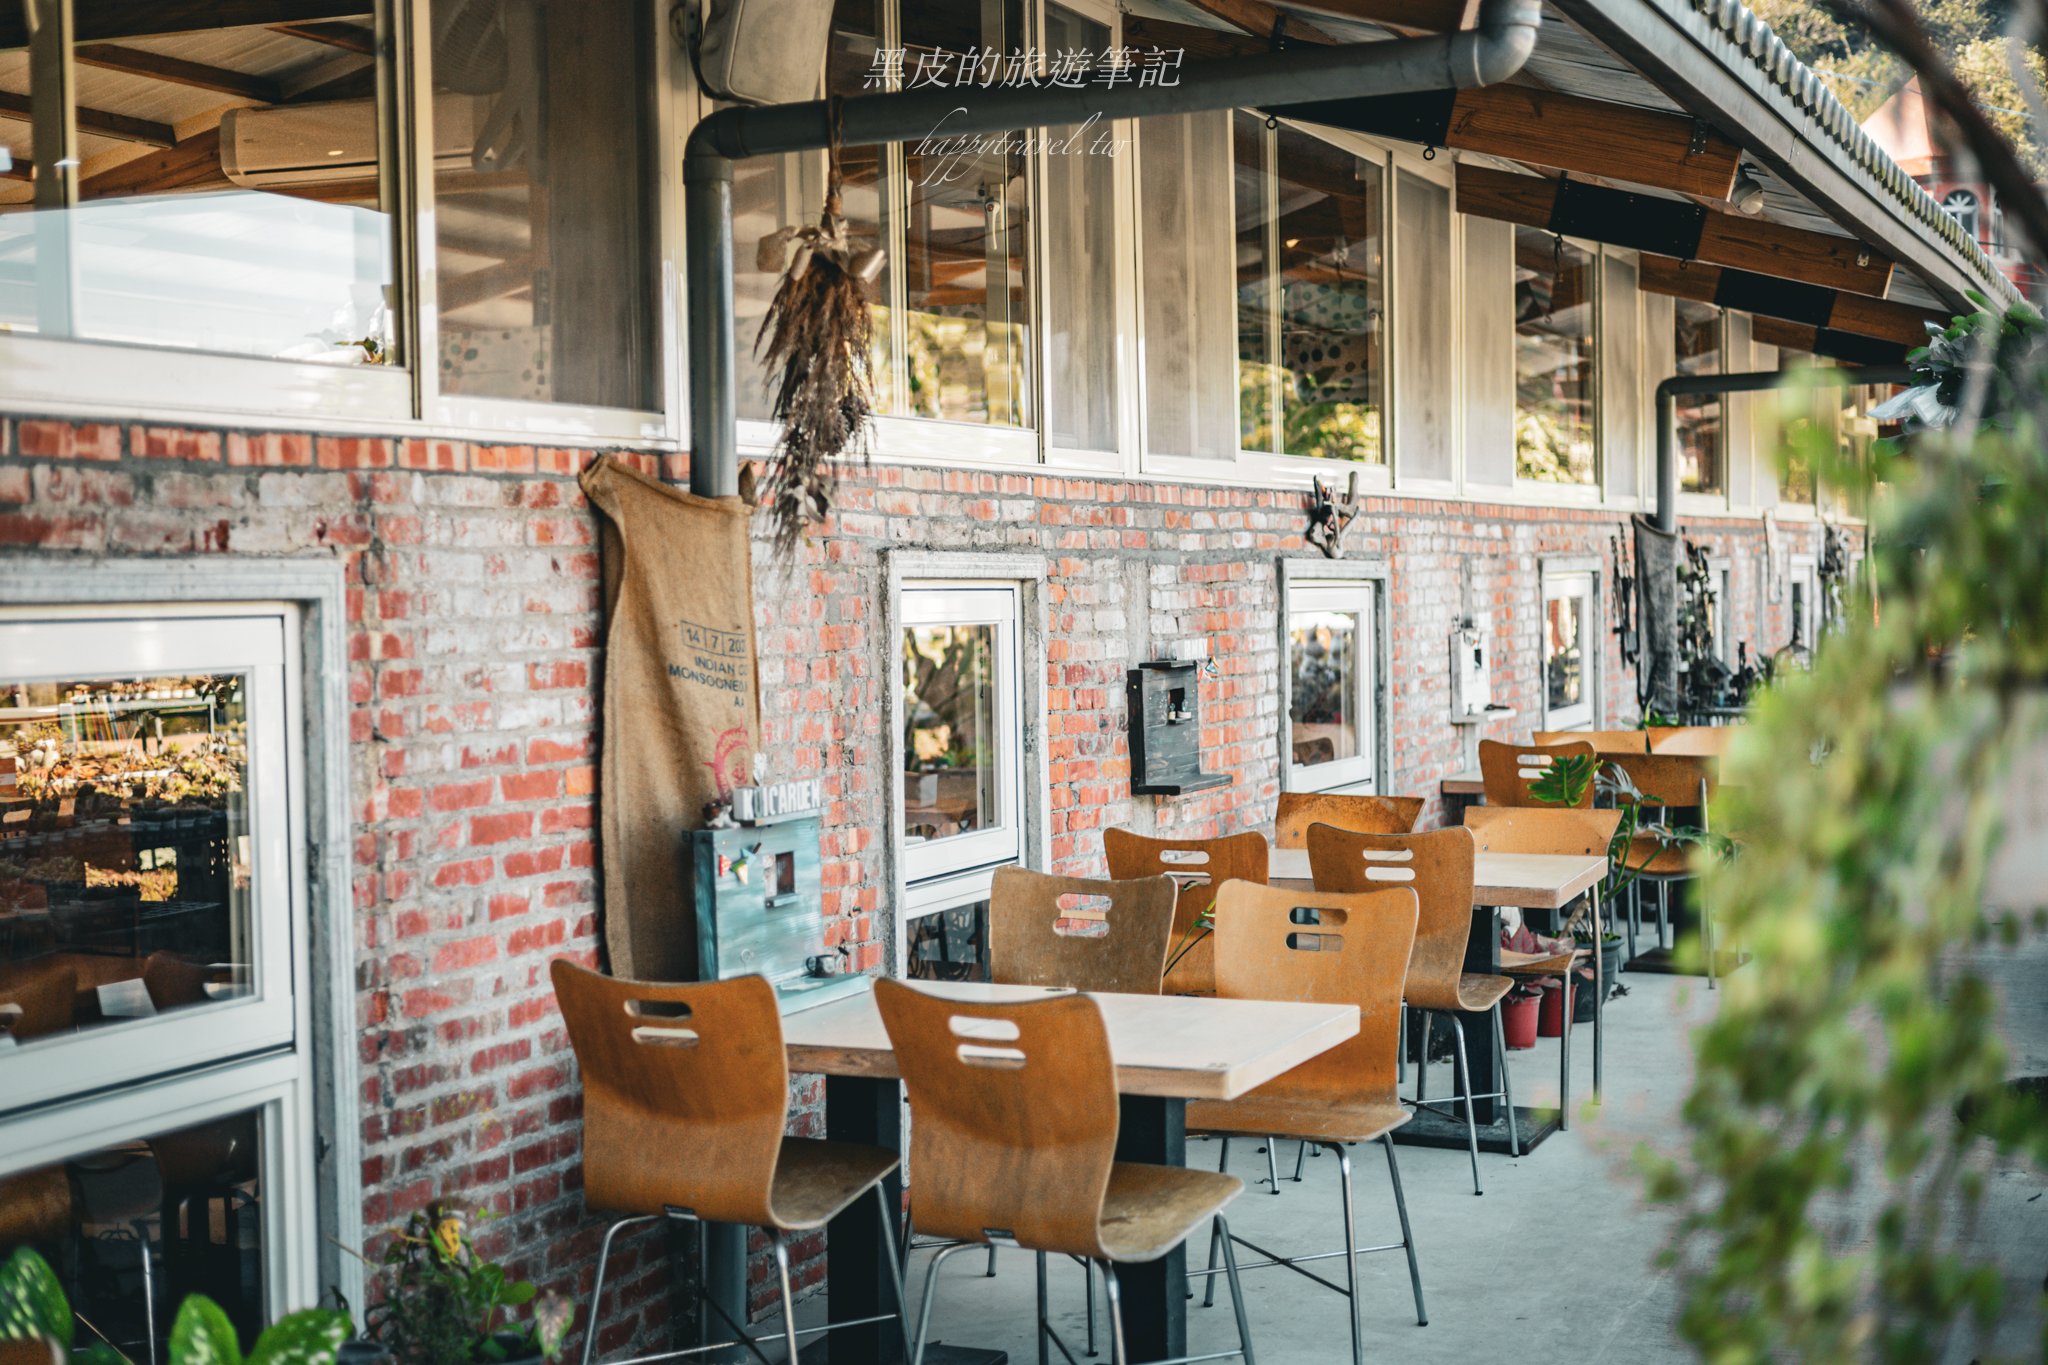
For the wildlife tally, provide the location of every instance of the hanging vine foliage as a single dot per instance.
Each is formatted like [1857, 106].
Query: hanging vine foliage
[1852, 1092]
[817, 341]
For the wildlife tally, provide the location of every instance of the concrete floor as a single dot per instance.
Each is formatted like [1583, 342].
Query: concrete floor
[1556, 1262]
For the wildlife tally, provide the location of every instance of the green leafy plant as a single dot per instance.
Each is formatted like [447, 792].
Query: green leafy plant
[1564, 783]
[1852, 1094]
[446, 1305]
[33, 1307]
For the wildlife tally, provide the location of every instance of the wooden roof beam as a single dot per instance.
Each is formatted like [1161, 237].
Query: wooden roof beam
[1668, 227]
[98, 122]
[1563, 132]
[1828, 311]
[347, 37]
[177, 71]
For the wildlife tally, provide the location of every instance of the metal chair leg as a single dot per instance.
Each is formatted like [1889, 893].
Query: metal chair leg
[1465, 1086]
[895, 1262]
[1300, 1159]
[1351, 1255]
[604, 1253]
[1401, 1050]
[1119, 1354]
[1407, 1236]
[1564, 1050]
[1272, 1164]
[924, 1314]
[1215, 1250]
[1044, 1347]
[1507, 1088]
[148, 1292]
[1422, 1059]
[1244, 1331]
[1088, 1278]
[788, 1295]
[1209, 1289]
[1599, 988]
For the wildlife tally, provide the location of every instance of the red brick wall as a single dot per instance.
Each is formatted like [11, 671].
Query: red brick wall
[474, 639]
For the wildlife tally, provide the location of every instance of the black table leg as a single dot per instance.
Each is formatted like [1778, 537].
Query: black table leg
[857, 1275]
[1155, 1131]
[1482, 956]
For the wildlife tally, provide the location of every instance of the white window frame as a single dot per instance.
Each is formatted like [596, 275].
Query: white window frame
[307, 1094]
[1546, 491]
[1804, 570]
[995, 605]
[66, 1096]
[922, 886]
[1564, 580]
[1356, 588]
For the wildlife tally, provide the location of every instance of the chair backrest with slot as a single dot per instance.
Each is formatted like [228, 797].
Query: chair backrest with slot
[173, 981]
[1199, 866]
[1437, 867]
[685, 1092]
[1552, 829]
[1366, 814]
[1669, 780]
[1069, 931]
[1328, 948]
[1016, 1115]
[1509, 770]
[1603, 741]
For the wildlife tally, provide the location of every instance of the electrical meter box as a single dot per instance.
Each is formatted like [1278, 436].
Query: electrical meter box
[1471, 670]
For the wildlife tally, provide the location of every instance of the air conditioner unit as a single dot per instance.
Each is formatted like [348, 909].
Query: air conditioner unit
[323, 144]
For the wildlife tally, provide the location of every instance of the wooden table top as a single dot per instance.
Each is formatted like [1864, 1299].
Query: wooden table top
[1463, 784]
[1529, 881]
[1166, 1046]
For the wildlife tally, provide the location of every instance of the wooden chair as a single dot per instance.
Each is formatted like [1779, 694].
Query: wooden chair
[685, 1098]
[1668, 782]
[1554, 829]
[1366, 814]
[1280, 944]
[1603, 741]
[40, 1004]
[1508, 771]
[1437, 867]
[1015, 1142]
[1126, 955]
[1696, 741]
[1199, 866]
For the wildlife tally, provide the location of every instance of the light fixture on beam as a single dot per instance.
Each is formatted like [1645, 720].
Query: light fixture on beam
[1748, 194]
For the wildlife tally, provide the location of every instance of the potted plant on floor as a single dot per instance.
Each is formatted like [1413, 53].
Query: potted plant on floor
[1518, 1016]
[444, 1304]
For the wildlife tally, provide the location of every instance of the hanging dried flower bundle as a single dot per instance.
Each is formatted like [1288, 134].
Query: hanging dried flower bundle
[816, 341]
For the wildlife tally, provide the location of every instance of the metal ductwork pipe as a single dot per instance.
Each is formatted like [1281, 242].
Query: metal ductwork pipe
[1492, 52]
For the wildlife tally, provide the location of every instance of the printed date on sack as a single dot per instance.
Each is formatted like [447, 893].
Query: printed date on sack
[711, 657]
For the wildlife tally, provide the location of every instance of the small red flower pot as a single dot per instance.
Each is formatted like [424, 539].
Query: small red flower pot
[1518, 1021]
[1551, 1022]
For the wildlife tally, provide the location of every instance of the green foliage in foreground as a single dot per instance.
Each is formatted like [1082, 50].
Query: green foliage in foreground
[33, 1306]
[1854, 1057]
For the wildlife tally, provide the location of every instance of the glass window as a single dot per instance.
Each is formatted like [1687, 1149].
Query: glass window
[1189, 294]
[1569, 651]
[1310, 341]
[543, 217]
[1424, 355]
[1554, 360]
[961, 740]
[150, 954]
[1697, 345]
[216, 189]
[966, 305]
[1804, 416]
[949, 944]
[1080, 276]
[1332, 642]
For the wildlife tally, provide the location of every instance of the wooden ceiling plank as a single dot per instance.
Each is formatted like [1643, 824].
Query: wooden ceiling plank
[104, 20]
[177, 71]
[1795, 253]
[1200, 44]
[1787, 336]
[347, 37]
[1900, 322]
[191, 164]
[1568, 133]
[1503, 195]
[98, 122]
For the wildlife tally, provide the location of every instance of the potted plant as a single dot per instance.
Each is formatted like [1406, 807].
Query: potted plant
[33, 1308]
[444, 1304]
[1518, 1016]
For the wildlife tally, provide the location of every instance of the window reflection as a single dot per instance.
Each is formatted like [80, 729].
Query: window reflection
[949, 731]
[1323, 660]
[1564, 656]
[124, 851]
[132, 1228]
[1698, 347]
[1554, 359]
[950, 945]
